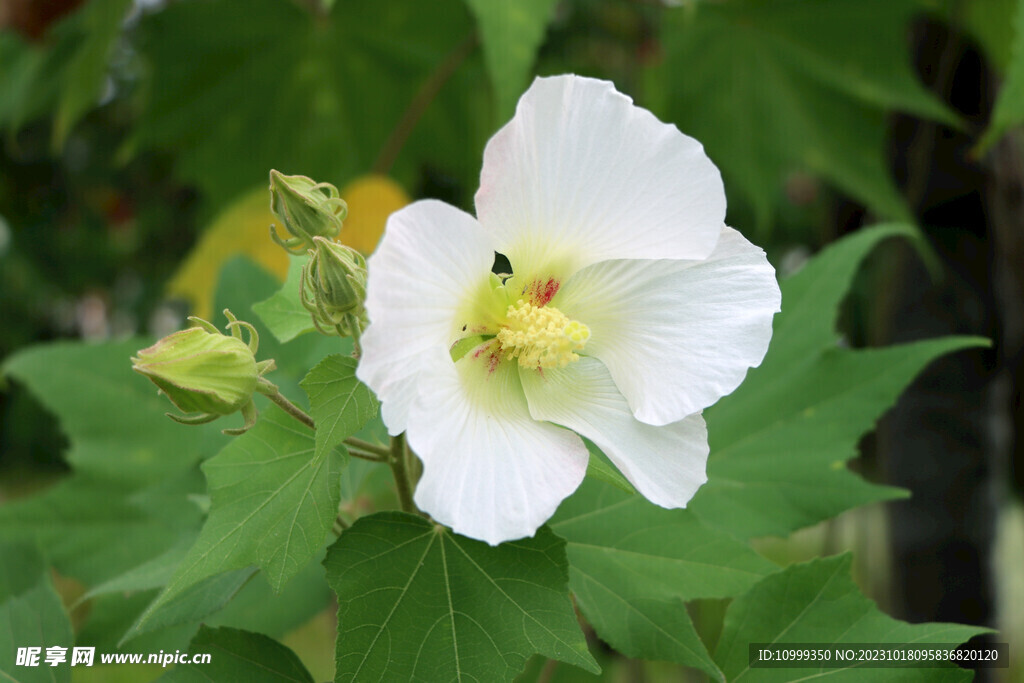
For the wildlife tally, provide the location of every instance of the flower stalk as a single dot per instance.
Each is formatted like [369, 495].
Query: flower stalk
[397, 461]
[356, 447]
[275, 395]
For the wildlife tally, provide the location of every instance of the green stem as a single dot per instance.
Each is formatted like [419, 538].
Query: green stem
[352, 323]
[381, 451]
[357, 447]
[397, 463]
[547, 671]
[292, 409]
[372, 457]
[339, 525]
[413, 466]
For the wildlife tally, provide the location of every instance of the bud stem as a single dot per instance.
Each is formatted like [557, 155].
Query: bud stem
[352, 322]
[339, 526]
[381, 452]
[363, 455]
[290, 408]
[356, 447]
[413, 466]
[397, 463]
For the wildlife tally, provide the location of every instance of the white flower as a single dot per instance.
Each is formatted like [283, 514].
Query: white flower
[631, 308]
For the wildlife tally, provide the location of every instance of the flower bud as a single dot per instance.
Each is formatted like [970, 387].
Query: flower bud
[204, 371]
[334, 286]
[308, 209]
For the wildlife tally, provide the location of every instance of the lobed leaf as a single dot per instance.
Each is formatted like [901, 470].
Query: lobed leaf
[780, 442]
[511, 33]
[290, 89]
[817, 602]
[237, 655]
[31, 615]
[632, 565]
[94, 530]
[283, 313]
[272, 505]
[339, 403]
[86, 73]
[773, 87]
[63, 76]
[112, 416]
[1009, 107]
[417, 602]
[235, 599]
[789, 473]
[190, 604]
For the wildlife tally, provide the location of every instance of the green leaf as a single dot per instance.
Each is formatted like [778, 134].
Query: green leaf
[990, 23]
[128, 500]
[773, 87]
[511, 33]
[237, 655]
[190, 604]
[780, 442]
[1009, 107]
[632, 565]
[236, 599]
[110, 616]
[258, 608]
[283, 313]
[817, 602]
[613, 537]
[339, 403]
[281, 87]
[418, 602]
[153, 573]
[86, 73]
[272, 505]
[811, 298]
[94, 531]
[31, 615]
[792, 473]
[21, 565]
[19, 74]
[63, 72]
[112, 416]
[601, 468]
[645, 629]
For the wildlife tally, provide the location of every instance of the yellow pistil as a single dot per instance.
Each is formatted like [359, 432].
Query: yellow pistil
[541, 336]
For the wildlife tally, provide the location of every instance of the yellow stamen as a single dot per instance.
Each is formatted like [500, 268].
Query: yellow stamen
[541, 336]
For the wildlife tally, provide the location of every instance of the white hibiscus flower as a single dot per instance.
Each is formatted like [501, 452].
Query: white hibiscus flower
[630, 308]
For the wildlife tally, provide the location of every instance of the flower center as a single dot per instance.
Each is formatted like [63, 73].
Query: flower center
[541, 336]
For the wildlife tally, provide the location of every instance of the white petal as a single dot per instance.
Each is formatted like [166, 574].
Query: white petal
[580, 175]
[677, 335]
[490, 471]
[431, 258]
[666, 464]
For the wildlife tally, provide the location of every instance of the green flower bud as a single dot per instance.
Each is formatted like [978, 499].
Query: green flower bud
[307, 208]
[333, 288]
[204, 371]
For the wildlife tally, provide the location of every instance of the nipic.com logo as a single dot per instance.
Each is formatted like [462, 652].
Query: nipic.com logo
[55, 655]
[86, 656]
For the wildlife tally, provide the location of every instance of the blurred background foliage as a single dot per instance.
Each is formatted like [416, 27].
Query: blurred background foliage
[136, 138]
